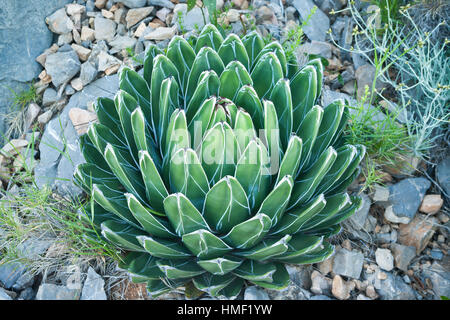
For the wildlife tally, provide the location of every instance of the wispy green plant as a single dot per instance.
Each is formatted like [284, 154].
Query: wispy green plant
[133, 56]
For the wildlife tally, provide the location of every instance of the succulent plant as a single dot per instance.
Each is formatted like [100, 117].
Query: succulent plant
[215, 167]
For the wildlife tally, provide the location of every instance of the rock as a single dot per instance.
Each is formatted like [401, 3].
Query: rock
[163, 13]
[320, 297]
[31, 114]
[325, 267]
[87, 34]
[50, 97]
[41, 58]
[418, 232]
[161, 3]
[13, 146]
[81, 119]
[82, 52]
[320, 284]
[380, 194]
[132, 3]
[190, 19]
[436, 254]
[105, 29]
[62, 66]
[291, 292]
[406, 197]
[389, 215]
[394, 288]
[77, 84]
[318, 25]
[100, 4]
[255, 293]
[371, 293]
[45, 117]
[122, 42]
[107, 14]
[65, 39]
[161, 33]
[88, 73]
[431, 203]
[93, 287]
[48, 291]
[362, 297]
[4, 295]
[439, 274]
[59, 22]
[443, 175]
[341, 289]
[300, 275]
[73, 9]
[25, 281]
[10, 273]
[384, 259]
[314, 47]
[136, 15]
[106, 61]
[27, 294]
[359, 218]
[365, 75]
[348, 263]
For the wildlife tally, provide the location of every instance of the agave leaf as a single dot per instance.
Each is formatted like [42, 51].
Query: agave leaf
[176, 269]
[306, 183]
[253, 270]
[304, 92]
[162, 248]
[188, 177]
[205, 245]
[154, 186]
[200, 122]
[226, 205]
[266, 74]
[253, 43]
[317, 64]
[280, 279]
[155, 288]
[180, 52]
[248, 99]
[155, 226]
[291, 159]
[220, 266]
[209, 37]
[150, 54]
[249, 233]
[281, 98]
[276, 48]
[299, 245]
[266, 249]
[327, 232]
[87, 174]
[233, 78]
[277, 200]
[319, 254]
[232, 290]
[107, 116]
[232, 49]
[191, 292]
[272, 135]
[182, 214]
[245, 131]
[208, 85]
[291, 222]
[343, 184]
[121, 234]
[141, 264]
[212, 284]
[168, 102]
[91, 154]
[252, 173]
[206, 59]
[292, 66]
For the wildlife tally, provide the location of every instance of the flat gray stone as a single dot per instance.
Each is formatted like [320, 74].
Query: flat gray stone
[10, 273]
[348, 263]
[255, 293]
[93, 288]
[443, 175]
[132, 3]
[62, 66]
[407, 195]
[318, 25]
[439, 274]
[161, 3]
[4, 295]
[358, 219]
[48, 291]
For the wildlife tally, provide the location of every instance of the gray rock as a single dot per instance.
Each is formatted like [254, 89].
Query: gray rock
[24, 36]
[346, 39]
[27, 294]
[90, 6]
[88, 73]
[406, 196]
[93, 287]
[69, 90]
[191, 18]
[50, 97]
[443, 175]
[337, 28]
[59, 22]
[384, 259]
[318, 25]
[132, 3]
[300, 275]
[320, 297]
[320, 284]
[25, 281]
[105, 29]
[291, 292]
[48, 291]
[255, 293]
[4, 295]
[320, 48]
[358, 219]
[439, 274]
[365, 75]
[62, 66]
[348, 263]
[436, 254]
[122, 42]
[10, 273]
[392, 288]
[161, 3]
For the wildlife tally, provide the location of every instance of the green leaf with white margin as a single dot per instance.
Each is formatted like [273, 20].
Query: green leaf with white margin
[205, 245]
[141, 265]
[162, 248]
[319, 254]
[308, 131]
[180, 52]
[187, 176]
[248, 99]
[282, 100]
[209, 37]
[328, 231]
[272, 135]
[291, 222]
[317, 64]
[249, 233]
[125, 105]
[176, 269]
[168, 102]
[155, 288]
[245, 131]
[107, 116]
[276, 202]
[220, 266]
[280, 279]
[219, 152]
[154, 186]
[253, 270]
[182, 214]
[226, 205]
[343, 184]
[201, 120]
[266, 74]
[206, 59]
[113, 201]
[151, 52]
[307, 182]
[232, 49]
[253, 174]
[122, 234]
[232, 290]
[334, 205]
[253, 43]
[212, 284]
[291, 159]
[232, 79]
[87, 174]
[155, 226]
[208, 85]
[91, 154]
[304, 92]
[299, 245]
[266, 249]
[278, 50]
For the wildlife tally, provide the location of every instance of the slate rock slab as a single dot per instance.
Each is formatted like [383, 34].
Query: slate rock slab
[406, 196]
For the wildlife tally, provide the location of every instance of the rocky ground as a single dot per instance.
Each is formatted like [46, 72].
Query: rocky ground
[395, 247]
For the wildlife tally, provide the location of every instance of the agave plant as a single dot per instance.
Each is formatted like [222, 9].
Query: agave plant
[215, 166]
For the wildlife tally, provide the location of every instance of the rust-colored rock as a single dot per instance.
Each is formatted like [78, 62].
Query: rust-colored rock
[418, 232]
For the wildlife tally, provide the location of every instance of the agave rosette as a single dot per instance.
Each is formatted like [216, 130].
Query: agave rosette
[216, 166]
